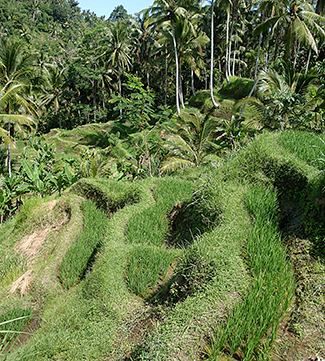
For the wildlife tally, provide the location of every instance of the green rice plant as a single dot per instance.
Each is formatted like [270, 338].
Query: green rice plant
[82, 252]
[272, 289]
[109, 195]
[146, 266]
[262, 204]
[150, 226]
[307, 146]
[12, 323]
[9, 261]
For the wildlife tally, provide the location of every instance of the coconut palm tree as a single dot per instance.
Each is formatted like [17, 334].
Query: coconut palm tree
[280, 98]
[188, 146]
[165, 13]
[212, 55]
[16, 72]
[296, 23]
[190, 41]
[53, 84]
[116, 48]
[11, 94]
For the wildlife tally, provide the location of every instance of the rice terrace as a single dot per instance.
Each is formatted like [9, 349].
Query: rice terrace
[162, 181]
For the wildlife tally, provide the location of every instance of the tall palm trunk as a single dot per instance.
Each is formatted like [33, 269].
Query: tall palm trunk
[234, 61]
[177, 69]
[8, 159]
[181, 95]
[227, 47]
[166, 77]
[119, 84]
[212, 54]
[297, 48]
[192, 82]
[234, 8]
[148, 76]
[308, 61]
[255, 75]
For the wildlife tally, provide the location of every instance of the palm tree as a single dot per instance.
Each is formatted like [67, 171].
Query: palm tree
[165, 13]
[11, 94]
[281, 98]
[190, 41]
[212, 54]
[117, 48]
[188, 146]
[297, 23]
[15, 74]
[14, 65]
[145, 44]
[54, 81]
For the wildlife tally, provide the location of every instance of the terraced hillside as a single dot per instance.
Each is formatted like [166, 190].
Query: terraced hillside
[219, 262]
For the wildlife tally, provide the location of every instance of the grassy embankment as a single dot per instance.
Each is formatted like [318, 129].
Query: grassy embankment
[181, 267]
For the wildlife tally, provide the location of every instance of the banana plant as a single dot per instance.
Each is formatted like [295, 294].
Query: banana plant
[34, 180]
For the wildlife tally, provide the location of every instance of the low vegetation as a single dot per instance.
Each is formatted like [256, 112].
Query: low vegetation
[82, 253]
[188, 266]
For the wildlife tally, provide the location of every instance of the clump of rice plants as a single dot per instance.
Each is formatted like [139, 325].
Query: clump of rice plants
[146, 266]
[151, 225]
[12, 323]
[257, 317]
[109, 195]
[306, 146]
[81, 253]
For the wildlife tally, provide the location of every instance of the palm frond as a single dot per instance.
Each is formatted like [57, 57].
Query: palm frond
[171, 164]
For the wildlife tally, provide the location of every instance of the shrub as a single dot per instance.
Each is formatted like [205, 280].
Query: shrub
[238, 88]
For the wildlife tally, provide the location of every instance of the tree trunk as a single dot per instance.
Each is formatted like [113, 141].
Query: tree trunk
[177, 69]
[8, 159]
[255, 76]
[166, 78]
[227, 47]
[212, 54]
[181, 95]
[233, 61]
[308, 61]
[119, 84]
[192, 82]
[148, 77]
[296, 55]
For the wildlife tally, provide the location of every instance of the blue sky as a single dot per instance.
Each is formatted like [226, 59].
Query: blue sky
[105, 7]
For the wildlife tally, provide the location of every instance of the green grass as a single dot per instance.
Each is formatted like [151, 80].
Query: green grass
[12, 323]
[146, 300]
[83, 251]
[151, 225]
[109, 195]
[308, 147]
[254, 322]
[146, 264]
